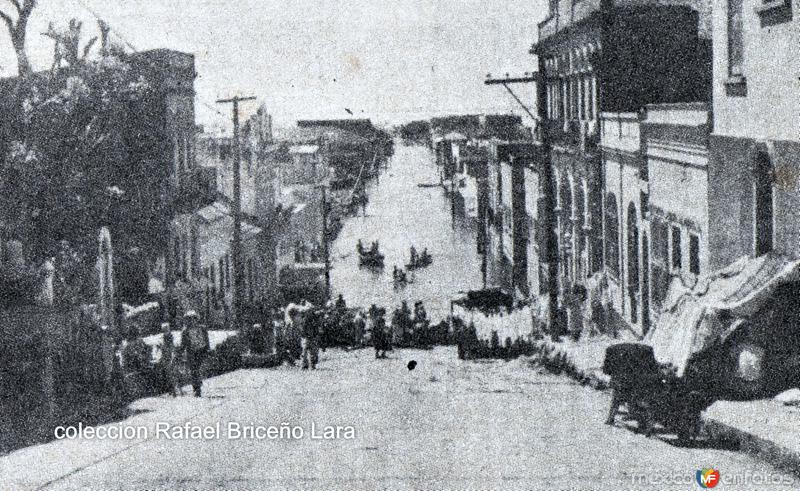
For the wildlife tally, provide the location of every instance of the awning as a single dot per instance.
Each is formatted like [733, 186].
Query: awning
[304, 149]
[690, 320]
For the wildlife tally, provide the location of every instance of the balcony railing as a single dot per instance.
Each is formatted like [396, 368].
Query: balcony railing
[196, 188]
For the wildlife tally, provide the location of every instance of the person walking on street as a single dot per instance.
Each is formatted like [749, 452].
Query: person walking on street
[380, 335]
[358, 329]
[310, 339]
[195, 344]
[171, 375]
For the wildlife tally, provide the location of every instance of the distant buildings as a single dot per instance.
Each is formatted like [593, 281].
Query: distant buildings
[214, 230]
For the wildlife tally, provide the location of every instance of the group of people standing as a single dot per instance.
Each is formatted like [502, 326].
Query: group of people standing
[190, 352]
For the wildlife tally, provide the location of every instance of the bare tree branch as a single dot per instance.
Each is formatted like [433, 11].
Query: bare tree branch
[8, 20]
[88, 47]
[17, 32]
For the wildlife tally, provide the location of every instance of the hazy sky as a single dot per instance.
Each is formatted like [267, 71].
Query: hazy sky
[390, 60]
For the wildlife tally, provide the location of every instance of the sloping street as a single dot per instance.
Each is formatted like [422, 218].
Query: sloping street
[447, 424]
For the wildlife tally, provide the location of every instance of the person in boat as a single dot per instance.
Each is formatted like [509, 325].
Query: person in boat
[414, 257]
[396, 274]
[341, 305]
[360, 247]
[425, 258]
[375, 248]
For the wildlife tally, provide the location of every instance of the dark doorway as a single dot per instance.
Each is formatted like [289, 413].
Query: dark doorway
[763, 204]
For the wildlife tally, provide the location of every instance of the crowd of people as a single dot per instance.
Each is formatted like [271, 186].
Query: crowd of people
[298, 332]
[304, 329]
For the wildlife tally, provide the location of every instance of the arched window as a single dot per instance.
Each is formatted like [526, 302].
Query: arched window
[566, 226]
[580, 252]
[612, 234]
[633, 249]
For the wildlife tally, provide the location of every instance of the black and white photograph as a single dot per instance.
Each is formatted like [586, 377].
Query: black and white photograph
[399, 245]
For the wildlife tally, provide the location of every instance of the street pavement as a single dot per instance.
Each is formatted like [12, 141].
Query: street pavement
[447, 424]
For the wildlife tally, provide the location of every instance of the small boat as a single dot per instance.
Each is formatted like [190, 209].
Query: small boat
[399, 277]
[423, 261]
[370, 259]
[428, 185]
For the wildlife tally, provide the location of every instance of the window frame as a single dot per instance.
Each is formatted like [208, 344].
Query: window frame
[735, 34]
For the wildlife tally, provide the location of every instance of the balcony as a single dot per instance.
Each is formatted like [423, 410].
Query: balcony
[196, 188]
[563, 132]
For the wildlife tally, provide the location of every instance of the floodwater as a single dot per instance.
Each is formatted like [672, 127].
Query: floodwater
[400, 214]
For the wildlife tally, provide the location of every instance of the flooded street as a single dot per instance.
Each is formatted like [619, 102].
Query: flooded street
[401, 214]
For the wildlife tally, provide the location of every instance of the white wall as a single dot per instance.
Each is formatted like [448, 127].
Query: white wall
[683, 191]
[771, 109]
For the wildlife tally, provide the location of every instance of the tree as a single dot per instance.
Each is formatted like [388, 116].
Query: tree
[17, 30]
[67, 43]
[65, 150]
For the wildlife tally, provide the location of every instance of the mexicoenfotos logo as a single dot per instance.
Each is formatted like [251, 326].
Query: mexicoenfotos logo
[707, 478]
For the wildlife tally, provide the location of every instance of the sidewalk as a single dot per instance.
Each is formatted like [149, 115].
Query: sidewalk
[586, 355]
[61, 457]
[765, 428]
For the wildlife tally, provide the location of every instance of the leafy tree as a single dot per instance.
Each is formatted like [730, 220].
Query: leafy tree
[66, 153]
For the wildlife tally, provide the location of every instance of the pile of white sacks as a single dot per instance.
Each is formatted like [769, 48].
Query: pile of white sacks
[513, 325]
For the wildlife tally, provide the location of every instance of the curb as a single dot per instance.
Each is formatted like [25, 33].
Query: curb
[592, 377]
[765, 450]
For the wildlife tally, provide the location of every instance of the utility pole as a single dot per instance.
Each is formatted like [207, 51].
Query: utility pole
[325, 242]
[549, 213]
[236, 246]
[549, 242]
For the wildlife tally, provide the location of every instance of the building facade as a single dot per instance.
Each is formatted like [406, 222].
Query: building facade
[604, 61]
[755, 142]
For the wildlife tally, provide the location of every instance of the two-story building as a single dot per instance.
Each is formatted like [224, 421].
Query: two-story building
[755, 142]
[656, 205]
[509, 208]
[609, 57]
